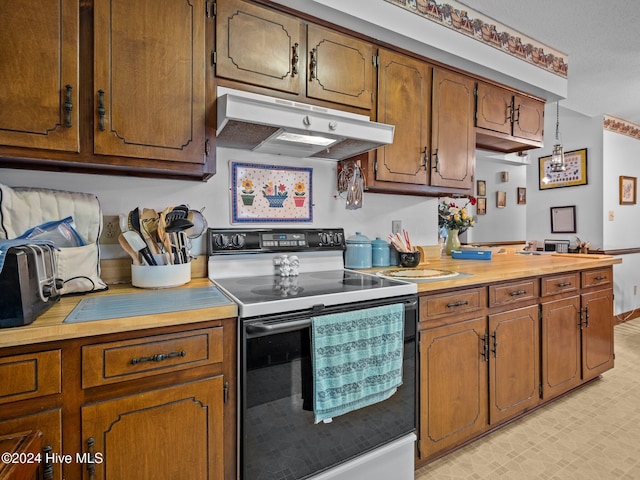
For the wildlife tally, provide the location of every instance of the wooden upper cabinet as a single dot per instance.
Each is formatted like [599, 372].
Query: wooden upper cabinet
[452, 152]
[404, 100]
[39, 74]
[258, 46]
[507, 121]
[149, 79]
[339, 68]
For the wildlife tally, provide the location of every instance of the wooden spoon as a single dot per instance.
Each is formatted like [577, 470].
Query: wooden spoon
[127, 248]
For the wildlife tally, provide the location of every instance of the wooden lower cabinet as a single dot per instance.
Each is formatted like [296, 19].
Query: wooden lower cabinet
[597, 333]
[453, 385]
[160, 434]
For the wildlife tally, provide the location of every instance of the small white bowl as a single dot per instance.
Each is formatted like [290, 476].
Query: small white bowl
[160, 276]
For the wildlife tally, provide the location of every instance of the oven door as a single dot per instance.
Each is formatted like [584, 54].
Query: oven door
[279, 439]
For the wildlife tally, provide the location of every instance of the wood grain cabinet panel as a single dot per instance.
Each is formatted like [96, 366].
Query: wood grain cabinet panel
[258, 46]
[404, 100]
[453, 385]
[597, 278]
[39, 74]
[560, 284]
[512, 292]
[149, 79]
[454, 303]
[174, 432]
[452, 132]
[30, 375]
[597, 333]
[339, 68]
[113, 362]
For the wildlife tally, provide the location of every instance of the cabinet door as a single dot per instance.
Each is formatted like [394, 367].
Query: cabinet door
[49, 422]
[39, 74]
[340, 68]
[149, 64]
[160, 434]
[493, 108]
[528, 120]
[597, 333]
[560, 346]
[453, 138]
[404, 99]
[257, 46]
[453, 385]
[514, 362]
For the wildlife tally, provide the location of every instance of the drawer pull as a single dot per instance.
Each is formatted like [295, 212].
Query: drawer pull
[457, 304]
[564, 284]
[158, 357]
[518, 292]
[601, 277]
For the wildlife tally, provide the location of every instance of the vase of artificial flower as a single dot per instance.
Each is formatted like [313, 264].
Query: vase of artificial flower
[299, 194]
[452, 241]
[455, 220]
[275, 195]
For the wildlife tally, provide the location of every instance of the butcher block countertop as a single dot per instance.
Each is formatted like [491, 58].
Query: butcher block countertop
[50, 327]
[505, 267]
[502, 267]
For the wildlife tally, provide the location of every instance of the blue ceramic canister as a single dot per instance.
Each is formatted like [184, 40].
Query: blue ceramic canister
[380, 255]
[358, 253]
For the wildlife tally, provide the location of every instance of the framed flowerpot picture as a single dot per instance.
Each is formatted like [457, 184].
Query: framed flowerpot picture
[501, 199]
[628, 190]
[522, 196]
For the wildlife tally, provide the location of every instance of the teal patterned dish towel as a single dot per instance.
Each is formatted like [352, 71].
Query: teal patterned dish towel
[357, 359]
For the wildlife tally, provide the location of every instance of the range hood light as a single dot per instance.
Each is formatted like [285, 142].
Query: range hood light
[306, 139]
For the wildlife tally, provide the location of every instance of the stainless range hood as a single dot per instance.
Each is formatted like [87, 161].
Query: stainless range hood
[264, 124]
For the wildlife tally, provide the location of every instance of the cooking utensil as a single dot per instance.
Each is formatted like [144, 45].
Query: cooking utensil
[178, 225]
[139, 245]
[199, 224]
[149, 228]
[163, 236]
[129, 249]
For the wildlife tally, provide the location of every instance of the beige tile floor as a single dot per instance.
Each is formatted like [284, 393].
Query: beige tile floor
[591, 434]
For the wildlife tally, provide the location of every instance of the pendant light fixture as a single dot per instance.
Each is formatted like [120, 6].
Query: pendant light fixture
[557, 157]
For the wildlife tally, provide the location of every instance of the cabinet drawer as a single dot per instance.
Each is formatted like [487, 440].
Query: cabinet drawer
[559, 284]
[452, 303]
[507, 293]
[592, 278]
[30, 375]
[113, 362]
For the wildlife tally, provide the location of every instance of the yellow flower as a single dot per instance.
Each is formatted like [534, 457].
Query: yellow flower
[299, 187]
[247, 184]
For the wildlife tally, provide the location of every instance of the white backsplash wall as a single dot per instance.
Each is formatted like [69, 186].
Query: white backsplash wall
[119, 195]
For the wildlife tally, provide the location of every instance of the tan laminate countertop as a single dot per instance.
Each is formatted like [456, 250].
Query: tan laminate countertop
[503, 267]
[50, 327]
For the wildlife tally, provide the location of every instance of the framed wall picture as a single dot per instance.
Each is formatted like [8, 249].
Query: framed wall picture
[481, 188]
[481, 206]
[522, 196]
[563, 219]
[501, 199]
[628, 190]
[575, 172]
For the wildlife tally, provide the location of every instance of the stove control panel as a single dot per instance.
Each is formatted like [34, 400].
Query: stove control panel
[263, 240]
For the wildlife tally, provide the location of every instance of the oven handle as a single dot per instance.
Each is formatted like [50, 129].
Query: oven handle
[264, 329]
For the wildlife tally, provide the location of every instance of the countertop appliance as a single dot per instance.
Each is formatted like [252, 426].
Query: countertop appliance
[281, 279]
[28, 282]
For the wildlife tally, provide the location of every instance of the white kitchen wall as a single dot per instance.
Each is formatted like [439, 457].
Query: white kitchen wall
[500, 224]
[121, 194]
[576, 132]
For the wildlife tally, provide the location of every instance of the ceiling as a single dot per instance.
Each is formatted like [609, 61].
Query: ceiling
[601, 40]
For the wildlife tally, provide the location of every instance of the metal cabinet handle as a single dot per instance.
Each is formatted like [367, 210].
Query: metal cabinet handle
[601, 277]
[313, 64]
[457, 304]
[425, 157]
[158, 357]
[564, 284]
[437, 161]
[91, 464]
[517, 293]
[516, 118]
[485, 348]
[68, 106]
[494, 335]
[294, 60]
[101, 110]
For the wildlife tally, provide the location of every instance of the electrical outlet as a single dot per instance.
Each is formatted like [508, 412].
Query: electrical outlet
[396, 226]
[611, 215]
[110, 230]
